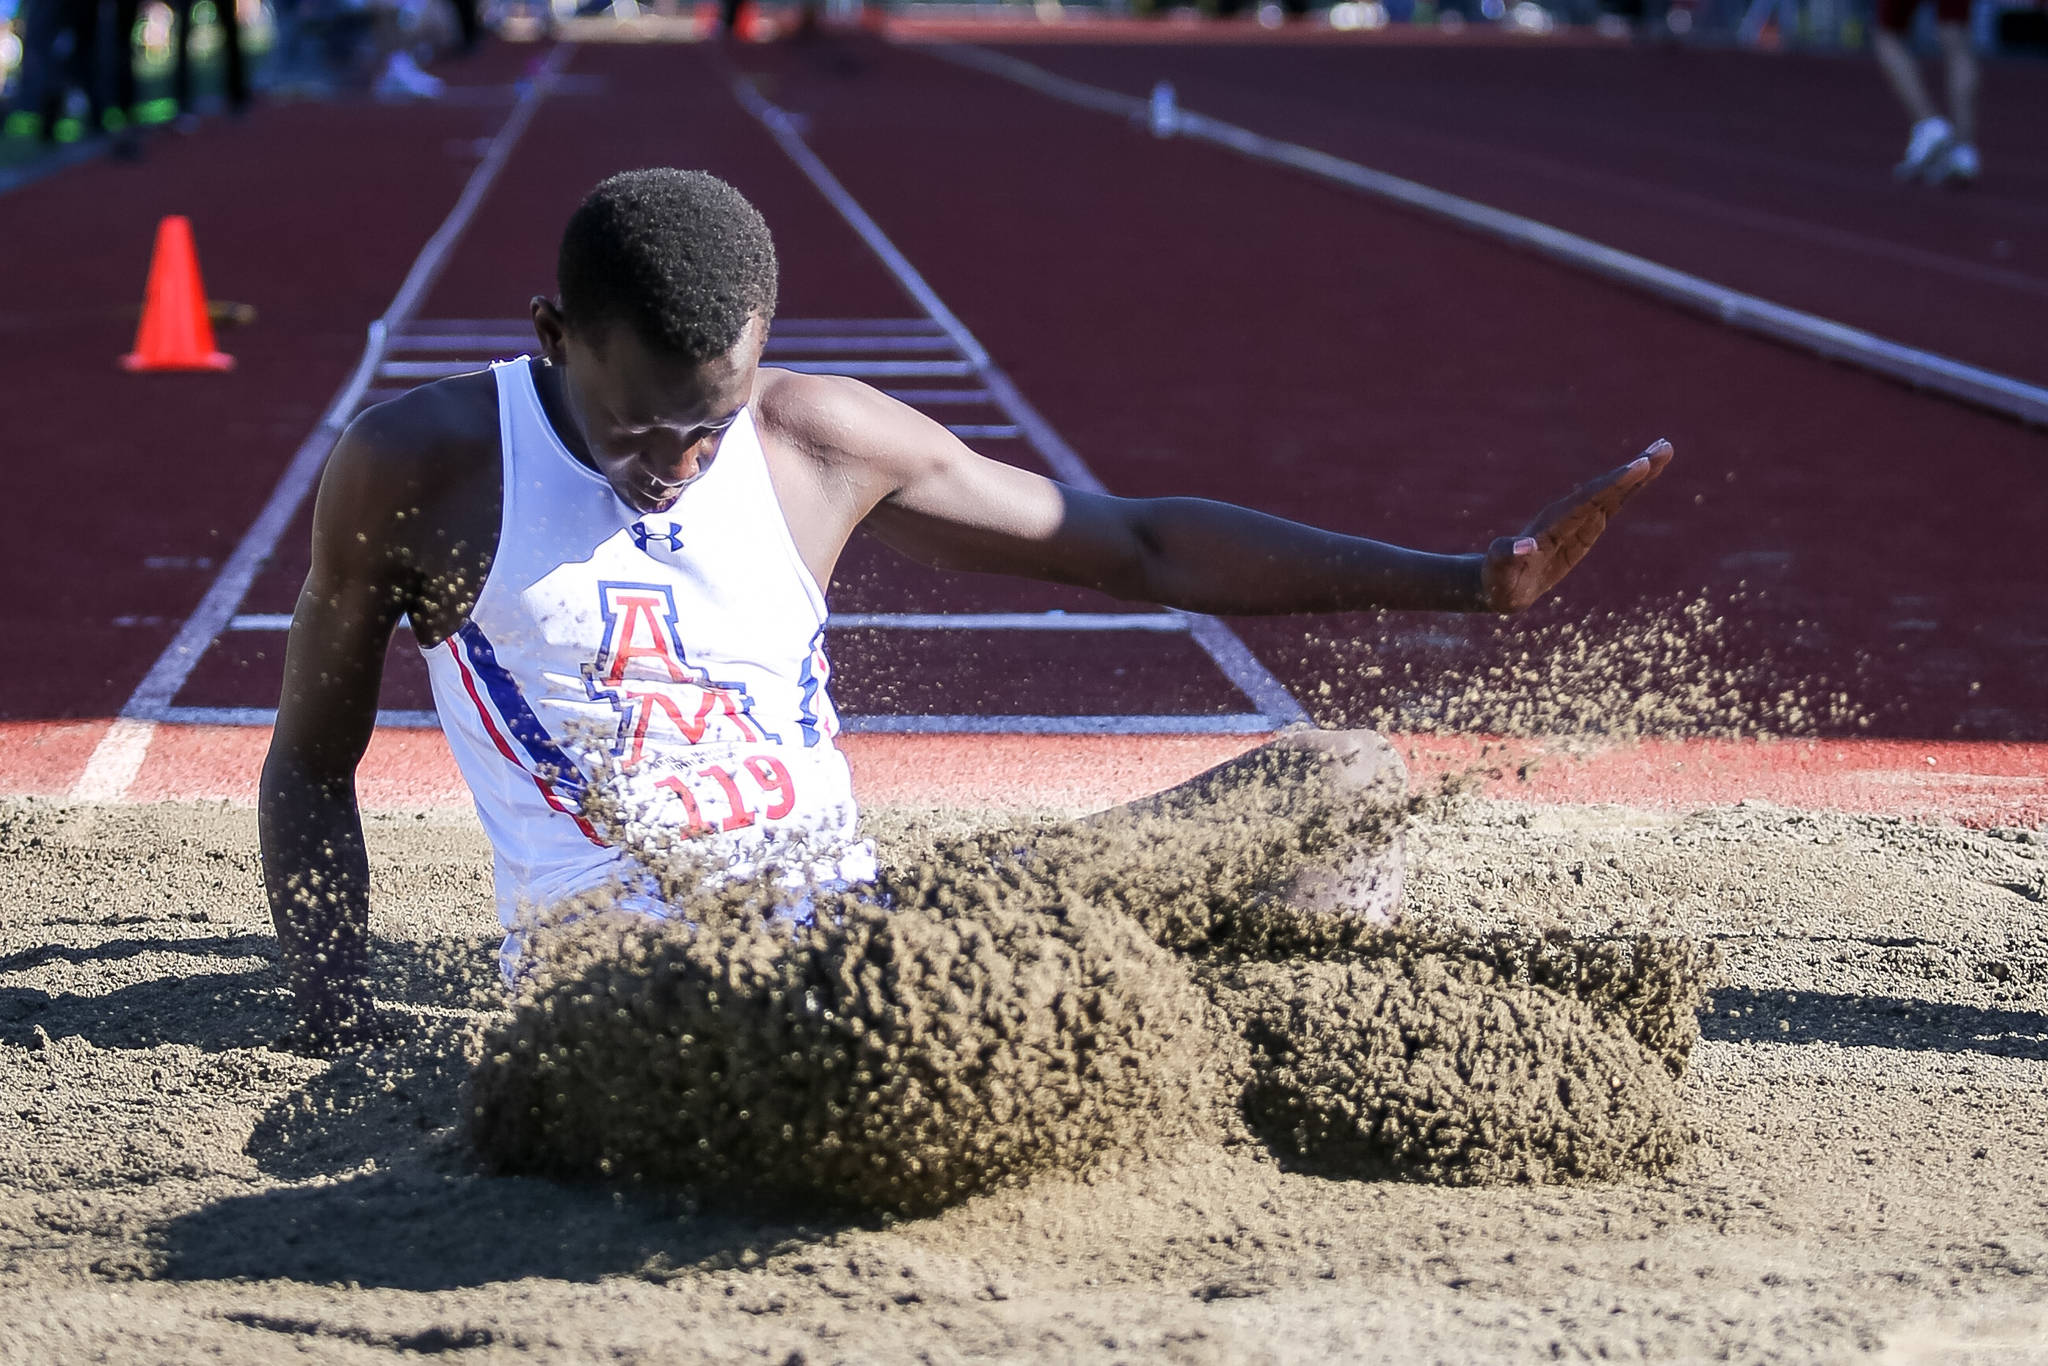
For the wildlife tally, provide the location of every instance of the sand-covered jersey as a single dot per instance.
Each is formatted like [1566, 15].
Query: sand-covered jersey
[677, 655]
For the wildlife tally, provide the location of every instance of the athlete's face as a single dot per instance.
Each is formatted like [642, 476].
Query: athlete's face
[649, 423]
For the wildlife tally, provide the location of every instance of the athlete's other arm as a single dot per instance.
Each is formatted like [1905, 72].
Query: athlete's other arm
[938, 502]
[314, 866]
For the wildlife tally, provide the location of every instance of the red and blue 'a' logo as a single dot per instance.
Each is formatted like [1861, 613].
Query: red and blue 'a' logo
[642, 670]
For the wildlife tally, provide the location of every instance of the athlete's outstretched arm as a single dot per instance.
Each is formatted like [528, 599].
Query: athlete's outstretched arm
[944, 505]
[314, 866]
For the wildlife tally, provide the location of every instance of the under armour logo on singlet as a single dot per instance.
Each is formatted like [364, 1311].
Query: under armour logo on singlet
[645, 537]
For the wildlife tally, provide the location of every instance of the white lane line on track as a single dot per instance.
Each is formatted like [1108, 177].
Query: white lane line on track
[784, 327]
[918, 398]
[1659, 194]
[1808, 331]
[1225, 723]
[115, 761]
[876, 369]
[503, 344]
[126, 748]
[1213, 723]
[1276, 705]
[1169, 622]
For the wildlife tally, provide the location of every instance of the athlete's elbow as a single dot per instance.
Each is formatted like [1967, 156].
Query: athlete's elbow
[1142, 569]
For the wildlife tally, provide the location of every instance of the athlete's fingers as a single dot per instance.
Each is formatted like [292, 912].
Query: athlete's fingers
[1653, 462]
[1617, 486]
[1607, 492]
[1560, 536]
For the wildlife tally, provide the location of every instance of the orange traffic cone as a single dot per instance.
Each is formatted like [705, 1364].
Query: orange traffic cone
[175, 333]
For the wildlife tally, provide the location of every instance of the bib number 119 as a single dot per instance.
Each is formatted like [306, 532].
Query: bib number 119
[742, 794]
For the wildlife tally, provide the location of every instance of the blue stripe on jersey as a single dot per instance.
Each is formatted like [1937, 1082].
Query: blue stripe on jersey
[526, 728]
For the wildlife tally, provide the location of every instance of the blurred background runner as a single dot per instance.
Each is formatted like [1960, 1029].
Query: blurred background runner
[1939, 149]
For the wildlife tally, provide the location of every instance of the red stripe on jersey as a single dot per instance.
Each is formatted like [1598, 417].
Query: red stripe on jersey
[547, 791]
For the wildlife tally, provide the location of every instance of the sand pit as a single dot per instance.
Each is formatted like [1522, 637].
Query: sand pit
[1869, 1180]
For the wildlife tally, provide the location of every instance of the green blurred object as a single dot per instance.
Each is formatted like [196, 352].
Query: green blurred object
[113, 120]
[22, 123]
[156, 111]
[69, 130]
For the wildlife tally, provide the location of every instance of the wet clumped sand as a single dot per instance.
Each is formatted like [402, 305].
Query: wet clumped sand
[895, 1060]
[1413, 1065]
[1066, 998]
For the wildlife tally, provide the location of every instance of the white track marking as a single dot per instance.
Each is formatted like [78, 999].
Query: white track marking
[880, 369]
[1228, 723]
[900, 327]
[499, 345]
[778, 346]
[1239, 664]
[1215, 723]
[125, 748]
[1808, 331]
[904, 621]
[503, 344]
[985, 431]
[115, 761]
[784, 327]
[918, 398]
[883, 369]
[1011, 621]
[425, 370]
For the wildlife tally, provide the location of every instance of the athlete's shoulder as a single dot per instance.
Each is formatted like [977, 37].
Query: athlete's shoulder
[850, 429]
[827, 415]
[409, 473]
[433, 429]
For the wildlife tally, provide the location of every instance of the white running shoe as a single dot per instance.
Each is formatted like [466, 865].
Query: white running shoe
[1931, 137]
[1958, 166]
[404, 80]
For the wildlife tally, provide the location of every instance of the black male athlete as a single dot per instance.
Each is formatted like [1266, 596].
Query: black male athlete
[622, 546]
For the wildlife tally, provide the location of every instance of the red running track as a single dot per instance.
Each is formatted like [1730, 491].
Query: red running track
[1975, 784]
[1767, 173]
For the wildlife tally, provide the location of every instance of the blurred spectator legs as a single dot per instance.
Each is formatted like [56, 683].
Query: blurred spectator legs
[235, 74]
[40, 90]
[103, 65]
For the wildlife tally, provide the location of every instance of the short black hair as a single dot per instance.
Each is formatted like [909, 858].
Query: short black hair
[681, 257]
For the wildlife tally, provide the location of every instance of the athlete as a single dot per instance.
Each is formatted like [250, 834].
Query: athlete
[614, 555]
[1939, 150]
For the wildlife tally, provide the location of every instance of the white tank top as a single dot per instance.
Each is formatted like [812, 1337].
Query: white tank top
[688, 645]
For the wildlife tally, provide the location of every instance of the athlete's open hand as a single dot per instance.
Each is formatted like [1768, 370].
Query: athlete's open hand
[1520, 569]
